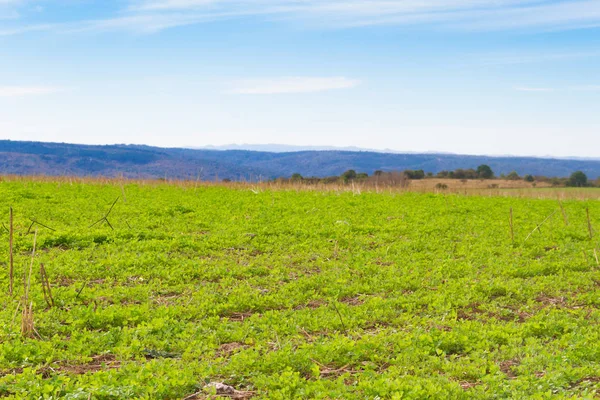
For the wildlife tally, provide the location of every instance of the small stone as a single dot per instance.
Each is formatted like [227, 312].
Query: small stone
[220, 388]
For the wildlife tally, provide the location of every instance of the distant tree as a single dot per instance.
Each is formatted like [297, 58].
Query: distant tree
[226, 180]
[513, 176]
[465, 174]
[443, 174]
[362, 175]
[430, 174]
[529, 178]
[296, 177]
[349, 175]
[410, 174]
[577, 179]
[378, 172]
[485, 172]
[459, 174]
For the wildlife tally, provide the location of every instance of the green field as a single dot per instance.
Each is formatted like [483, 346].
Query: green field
[298, 294]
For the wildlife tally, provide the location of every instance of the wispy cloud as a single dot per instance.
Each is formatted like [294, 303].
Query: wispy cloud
[30, 28]
[156, 15]
[172, 4]
[470, 14]
[533, 89]
[580, 88]
[292, 85]
[19, 91]
[586, 88]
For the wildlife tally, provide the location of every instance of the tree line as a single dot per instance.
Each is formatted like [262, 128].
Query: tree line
[484, 172]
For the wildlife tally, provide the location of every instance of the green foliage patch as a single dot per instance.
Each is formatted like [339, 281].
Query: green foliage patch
[299, 294]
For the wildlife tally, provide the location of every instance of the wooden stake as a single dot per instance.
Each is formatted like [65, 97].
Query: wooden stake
[10, 252]
[340, 316]
[27, 328]
[46, 287]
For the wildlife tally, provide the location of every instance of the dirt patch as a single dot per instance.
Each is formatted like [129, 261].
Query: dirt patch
[353, 301]
[586, 380]
[469, 312]
[311, 304]
[240, 395]
[167, 299]
[382, 263]
[327, 371]
[220, 390]
[238, 316]
[550, 301]
[508, 368]
[466, 385]
[473, 311]
[444, 328]
[227, 349]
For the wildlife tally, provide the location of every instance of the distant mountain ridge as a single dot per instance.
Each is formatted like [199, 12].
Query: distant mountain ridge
[289, 148]
[136, 161]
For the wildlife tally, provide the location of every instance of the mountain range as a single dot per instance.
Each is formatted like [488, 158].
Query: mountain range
[137, 161]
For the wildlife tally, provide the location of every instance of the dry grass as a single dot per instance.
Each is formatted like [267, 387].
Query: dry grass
[467, 187]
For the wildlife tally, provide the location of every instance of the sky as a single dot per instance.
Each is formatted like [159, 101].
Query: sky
[519, 77]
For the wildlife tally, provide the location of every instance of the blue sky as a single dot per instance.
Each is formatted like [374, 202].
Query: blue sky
[465, 76]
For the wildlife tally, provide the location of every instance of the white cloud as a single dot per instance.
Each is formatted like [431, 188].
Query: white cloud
[18, 91]
[292, 85]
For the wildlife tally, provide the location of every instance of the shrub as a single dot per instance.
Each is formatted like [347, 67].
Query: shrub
[513, 176]
[577, 179]
[485, 172]
[349, 175]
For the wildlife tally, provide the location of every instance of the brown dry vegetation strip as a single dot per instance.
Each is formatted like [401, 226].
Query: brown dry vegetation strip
[99, 363]
[239, 395]
[326, 371]
[589, 379]
[472, 311]
[475, 187]
[312, 304]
